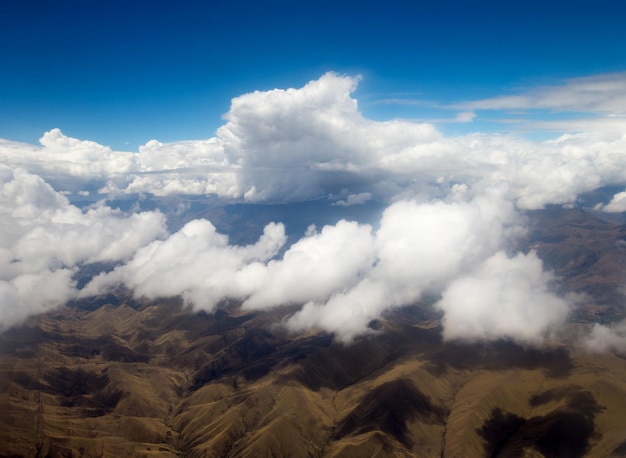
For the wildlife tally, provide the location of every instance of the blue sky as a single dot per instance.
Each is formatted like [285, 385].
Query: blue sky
[122, 73]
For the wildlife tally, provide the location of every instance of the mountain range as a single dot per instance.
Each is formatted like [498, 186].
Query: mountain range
[114, 375]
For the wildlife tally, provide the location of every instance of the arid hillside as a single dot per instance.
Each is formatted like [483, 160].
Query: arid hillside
[113, 376]
[150, 379]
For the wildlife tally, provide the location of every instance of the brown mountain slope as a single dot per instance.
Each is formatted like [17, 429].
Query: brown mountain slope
[114, 377]
[154, 380]
[587, 251]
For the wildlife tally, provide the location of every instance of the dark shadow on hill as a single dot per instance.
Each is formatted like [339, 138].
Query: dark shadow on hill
[500, 355]
[86, 390]
[566, 431]
[254, 354]
[337, 366]
[620, 450]
[388, 408]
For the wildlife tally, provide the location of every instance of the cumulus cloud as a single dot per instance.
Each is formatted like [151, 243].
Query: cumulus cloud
[199, 264]
[311, 142]
[317, 266]
[344, 276]
[503, 297]
[68, 163]
[43, 238]
[604, 338]
[419, 248]
[354, 199]
[616, 205]
[196, 263]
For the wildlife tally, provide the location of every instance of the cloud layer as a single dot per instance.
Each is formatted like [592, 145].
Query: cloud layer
[455, 205]
[312, 142]
[346, 275]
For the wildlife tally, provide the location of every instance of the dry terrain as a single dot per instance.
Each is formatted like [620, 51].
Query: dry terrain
[151, 379]
[116, 377]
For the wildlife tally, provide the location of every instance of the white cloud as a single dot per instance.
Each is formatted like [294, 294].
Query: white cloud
[606, 338]
[312, 142]
[347, 314]
[616, 205]
[419, 249]
[196, 263]
[317, 266]
[43, 238]
[66, 162]
[598, 94]
[189, 167]
[354, 199]
[344, 275]
[503, 297]
[465, 116]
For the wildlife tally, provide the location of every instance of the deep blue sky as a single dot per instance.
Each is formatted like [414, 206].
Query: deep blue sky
[124, 72]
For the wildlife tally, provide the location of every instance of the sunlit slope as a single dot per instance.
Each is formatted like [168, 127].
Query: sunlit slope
[151, 379]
